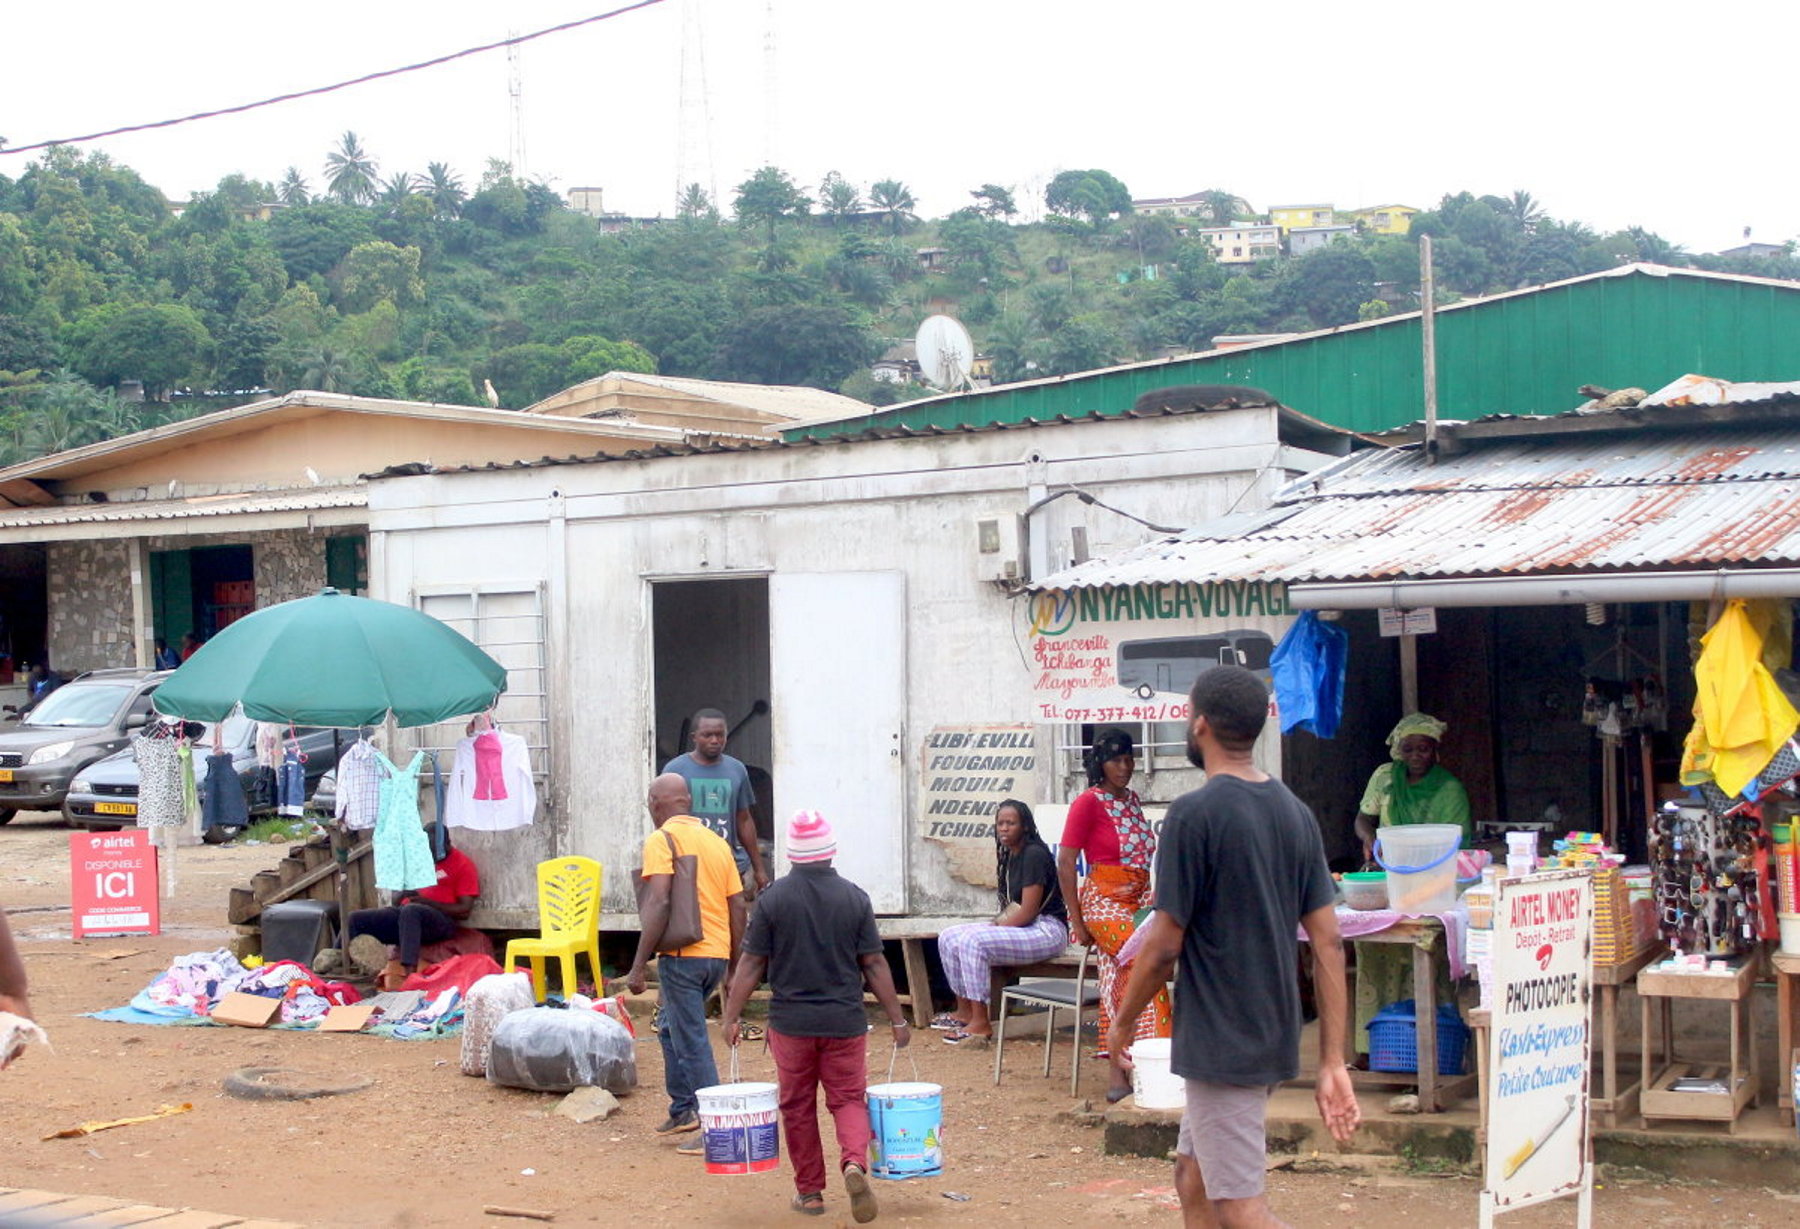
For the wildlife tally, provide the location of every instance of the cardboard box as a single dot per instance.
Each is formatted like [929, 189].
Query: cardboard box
[246, 1010]
[351, 1019]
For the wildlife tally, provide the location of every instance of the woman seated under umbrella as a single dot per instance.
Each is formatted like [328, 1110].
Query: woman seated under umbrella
[424, 915]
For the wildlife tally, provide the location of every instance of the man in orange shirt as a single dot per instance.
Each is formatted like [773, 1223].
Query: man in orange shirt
[688, 975]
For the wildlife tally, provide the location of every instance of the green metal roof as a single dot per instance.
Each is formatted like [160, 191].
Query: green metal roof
[1524, 352]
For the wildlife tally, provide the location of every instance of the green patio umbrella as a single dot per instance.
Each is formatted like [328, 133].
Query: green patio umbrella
[335, 660]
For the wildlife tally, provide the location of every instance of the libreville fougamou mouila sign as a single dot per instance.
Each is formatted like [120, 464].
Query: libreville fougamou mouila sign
[966, 773]
[1131, 653]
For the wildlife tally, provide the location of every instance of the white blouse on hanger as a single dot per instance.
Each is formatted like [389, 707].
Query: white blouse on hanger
[489, 797]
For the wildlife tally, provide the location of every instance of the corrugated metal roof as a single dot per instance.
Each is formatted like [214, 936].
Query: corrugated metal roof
[1295, 425]
[1705, 497]
[1525, 351]
[178, 509]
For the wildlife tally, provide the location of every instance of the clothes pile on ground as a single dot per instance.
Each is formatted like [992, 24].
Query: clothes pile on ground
[189, 990]
[555, 1048]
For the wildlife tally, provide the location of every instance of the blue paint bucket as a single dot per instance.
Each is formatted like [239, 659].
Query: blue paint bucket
[906, 1121]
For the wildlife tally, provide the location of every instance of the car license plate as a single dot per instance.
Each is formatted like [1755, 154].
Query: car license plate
[6, 774]
[115, 808]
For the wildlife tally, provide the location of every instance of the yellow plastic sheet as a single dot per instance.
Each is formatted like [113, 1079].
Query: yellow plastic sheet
[1741, 717]
[88, 1128]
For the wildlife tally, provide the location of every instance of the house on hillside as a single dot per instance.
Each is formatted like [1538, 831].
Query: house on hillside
[183, 527]
[1243, 243]
[1523, 352]
[1384, 219]
[1304, 239]
[1755, 251]
[1287, 217]
[1191, 205]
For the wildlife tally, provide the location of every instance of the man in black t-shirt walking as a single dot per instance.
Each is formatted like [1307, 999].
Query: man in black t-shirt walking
[814, 933]
[1239, 865]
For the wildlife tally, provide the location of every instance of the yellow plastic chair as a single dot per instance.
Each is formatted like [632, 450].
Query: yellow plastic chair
[568, 923]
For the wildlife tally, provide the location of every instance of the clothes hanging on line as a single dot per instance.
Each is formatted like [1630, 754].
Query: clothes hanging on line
[190, 792]
[222, 802]
[269, 737]
[402, 852]
[491, 787]
[159, 781]
[290, 786]
[359, 775]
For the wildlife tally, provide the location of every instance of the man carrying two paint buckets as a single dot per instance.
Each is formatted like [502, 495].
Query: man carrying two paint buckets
[813, 934]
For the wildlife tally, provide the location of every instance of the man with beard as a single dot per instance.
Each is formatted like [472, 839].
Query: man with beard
[1239, 866]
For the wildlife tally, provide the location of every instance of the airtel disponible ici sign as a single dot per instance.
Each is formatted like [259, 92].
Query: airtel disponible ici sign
[112, 882]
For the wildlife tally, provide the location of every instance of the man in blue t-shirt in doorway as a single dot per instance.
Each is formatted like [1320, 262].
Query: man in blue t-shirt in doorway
[722, 796]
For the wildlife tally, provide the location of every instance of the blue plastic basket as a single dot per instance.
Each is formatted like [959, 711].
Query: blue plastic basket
[1394, 1039]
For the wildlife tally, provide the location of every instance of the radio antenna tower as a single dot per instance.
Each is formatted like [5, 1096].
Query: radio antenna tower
[771, 87]
[693, 138]
[515, 87]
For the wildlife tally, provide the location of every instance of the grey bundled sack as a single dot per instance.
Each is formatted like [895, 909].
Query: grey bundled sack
[553, 1049]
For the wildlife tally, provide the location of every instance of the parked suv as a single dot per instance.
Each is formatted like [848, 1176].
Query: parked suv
[105, 793]
[88, 717]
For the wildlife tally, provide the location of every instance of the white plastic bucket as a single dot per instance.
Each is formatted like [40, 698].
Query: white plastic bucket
[1790, 932]
[1153, 1085]
[737, 1125]
[906, 1121]
[1420, 861]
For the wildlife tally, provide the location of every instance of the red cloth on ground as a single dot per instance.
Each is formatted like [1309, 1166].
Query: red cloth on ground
[457, 877]
[460, 972]
[840, 1064]
[465, 942]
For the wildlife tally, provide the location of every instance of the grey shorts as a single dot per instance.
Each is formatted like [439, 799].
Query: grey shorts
[1225, 1129]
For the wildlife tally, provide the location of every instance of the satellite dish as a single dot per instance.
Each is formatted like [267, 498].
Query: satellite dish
[946, 353]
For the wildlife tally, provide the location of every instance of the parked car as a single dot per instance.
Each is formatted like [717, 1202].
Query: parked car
[85, 719]
[105, 794]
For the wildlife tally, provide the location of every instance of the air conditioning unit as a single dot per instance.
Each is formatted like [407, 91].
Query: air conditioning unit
[1000, 548]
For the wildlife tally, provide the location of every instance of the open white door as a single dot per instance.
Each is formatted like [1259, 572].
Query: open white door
[837, 669]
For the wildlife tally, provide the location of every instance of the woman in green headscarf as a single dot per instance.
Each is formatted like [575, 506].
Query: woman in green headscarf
[1411, 789]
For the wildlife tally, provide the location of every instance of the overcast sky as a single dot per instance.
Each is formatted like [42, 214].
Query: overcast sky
[1611, 113]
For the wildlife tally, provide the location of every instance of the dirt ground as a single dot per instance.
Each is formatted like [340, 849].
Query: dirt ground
[426, 1145]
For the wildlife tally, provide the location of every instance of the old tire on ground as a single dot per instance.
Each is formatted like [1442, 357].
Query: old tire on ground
[222, 834]
[290, 1084]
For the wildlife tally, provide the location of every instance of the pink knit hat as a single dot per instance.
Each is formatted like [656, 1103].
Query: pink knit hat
[810, 838]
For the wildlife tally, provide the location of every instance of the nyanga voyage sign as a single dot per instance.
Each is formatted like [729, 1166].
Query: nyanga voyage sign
[1132, 653]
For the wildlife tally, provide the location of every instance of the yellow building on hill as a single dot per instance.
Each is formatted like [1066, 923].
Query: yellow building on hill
[1385, 219]
[1287, 217]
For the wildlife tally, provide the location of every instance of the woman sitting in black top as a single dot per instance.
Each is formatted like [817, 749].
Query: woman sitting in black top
[1033, 923]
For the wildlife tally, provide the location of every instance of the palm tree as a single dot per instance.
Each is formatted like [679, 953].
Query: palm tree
[694, 202]
[895, 200]
[326, 370]
[1220, 207]
[1525, 210]
[350, 171]
[1654, 249]
[293, 189]
[445, 189]
[395, 189]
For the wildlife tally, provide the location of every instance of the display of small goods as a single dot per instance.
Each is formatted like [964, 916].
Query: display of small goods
[1712, 873]
[1613, 707]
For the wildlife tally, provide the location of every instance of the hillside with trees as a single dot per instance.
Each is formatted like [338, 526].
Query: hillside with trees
[432, 285]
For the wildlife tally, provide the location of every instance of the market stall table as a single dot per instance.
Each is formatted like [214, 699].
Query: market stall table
[1423, 934]
[1616, 1101]
[1787, 1001]
[1660, 1098]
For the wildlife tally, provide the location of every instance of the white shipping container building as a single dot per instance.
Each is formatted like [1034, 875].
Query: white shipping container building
[845, 602]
